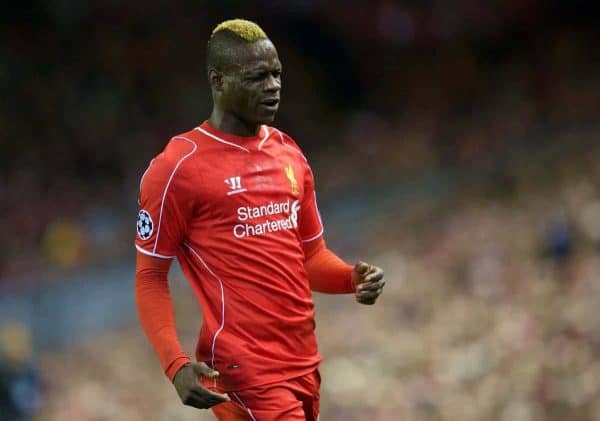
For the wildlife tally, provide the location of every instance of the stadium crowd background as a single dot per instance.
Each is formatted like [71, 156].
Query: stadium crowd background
[455, 144]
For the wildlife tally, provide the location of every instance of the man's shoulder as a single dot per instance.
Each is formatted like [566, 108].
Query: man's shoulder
[178, 149]
[287, 141]
[175, 158]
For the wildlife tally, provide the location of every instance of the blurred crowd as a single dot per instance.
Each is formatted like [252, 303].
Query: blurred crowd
[489, 311]
[97, 88]
[20, 381]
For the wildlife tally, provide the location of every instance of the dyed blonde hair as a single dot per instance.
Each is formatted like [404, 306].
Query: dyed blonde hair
[244, 29]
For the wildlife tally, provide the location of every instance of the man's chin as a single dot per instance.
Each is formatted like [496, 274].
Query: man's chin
[266, 119]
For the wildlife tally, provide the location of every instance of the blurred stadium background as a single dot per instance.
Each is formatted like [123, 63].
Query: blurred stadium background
[455, 143]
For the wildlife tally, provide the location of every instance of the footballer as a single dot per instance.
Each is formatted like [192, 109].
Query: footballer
[234, 201]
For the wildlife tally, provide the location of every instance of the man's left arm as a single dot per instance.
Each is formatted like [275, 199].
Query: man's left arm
[326, 271]
[329, 274]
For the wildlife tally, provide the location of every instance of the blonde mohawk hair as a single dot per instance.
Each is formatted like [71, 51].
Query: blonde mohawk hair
[244, 29]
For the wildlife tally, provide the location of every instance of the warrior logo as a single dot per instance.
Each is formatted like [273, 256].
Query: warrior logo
[235, 185]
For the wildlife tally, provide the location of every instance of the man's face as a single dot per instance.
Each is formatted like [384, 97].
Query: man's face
[252, 86]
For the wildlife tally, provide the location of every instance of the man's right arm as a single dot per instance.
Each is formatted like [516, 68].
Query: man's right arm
[156, 313]
[165, 210]
[157, 317]
[167, 203]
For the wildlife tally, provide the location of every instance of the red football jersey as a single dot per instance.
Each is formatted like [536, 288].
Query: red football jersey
[235, 212]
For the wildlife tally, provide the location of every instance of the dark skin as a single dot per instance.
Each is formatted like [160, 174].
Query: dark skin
[369, 283]
[191, 392]
[245, 95]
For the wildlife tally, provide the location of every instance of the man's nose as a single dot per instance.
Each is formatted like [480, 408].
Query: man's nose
[273, 84]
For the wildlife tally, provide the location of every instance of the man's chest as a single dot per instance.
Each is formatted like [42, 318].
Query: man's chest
[242, 183]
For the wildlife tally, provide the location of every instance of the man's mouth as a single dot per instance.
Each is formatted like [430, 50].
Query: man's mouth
[270, 102]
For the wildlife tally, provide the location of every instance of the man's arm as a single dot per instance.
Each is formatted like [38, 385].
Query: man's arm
[167, 203]
[157, 317]
[326, 272]
[329, 274]
[156, 313]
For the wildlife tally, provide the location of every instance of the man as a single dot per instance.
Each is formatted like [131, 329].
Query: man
[233, 199]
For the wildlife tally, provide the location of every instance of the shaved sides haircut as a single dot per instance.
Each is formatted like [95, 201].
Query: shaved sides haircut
[226, 38]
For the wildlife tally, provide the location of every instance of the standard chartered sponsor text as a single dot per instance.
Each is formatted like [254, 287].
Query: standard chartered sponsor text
[248, 213]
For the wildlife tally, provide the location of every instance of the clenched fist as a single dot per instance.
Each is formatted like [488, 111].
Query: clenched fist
[368, 281]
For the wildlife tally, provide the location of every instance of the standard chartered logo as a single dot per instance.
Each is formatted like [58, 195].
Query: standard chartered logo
[274, 222]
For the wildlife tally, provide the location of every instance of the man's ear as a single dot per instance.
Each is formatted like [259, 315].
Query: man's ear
[215, 78]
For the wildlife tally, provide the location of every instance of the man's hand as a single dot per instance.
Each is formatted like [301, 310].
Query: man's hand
[369, 282]
[191, 391]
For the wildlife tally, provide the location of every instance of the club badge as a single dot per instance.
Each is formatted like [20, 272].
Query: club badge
[289, 172]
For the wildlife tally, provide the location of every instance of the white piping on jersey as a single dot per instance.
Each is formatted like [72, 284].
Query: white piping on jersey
[314, 237]
[144, 175]
[291, 147]
[264, 139]
[141, 250]
[218, 139]
[244, 405]
[214, 341]
[317, 208]
[280, 136]
[162, 203]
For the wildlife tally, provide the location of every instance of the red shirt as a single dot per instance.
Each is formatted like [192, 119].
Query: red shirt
[235, 212]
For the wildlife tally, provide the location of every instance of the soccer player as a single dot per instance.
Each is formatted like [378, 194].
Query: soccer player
[234, 200]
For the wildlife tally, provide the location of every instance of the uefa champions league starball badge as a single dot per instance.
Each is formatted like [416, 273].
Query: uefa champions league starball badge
[144, 225]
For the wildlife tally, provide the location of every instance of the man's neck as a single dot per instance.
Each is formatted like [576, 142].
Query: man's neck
[228, 123]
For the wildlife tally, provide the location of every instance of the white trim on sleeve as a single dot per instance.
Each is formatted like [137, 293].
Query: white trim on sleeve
[149, 253]
[314, 237]
[317, 209]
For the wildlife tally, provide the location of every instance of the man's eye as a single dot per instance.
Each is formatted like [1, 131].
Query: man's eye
[261, 76]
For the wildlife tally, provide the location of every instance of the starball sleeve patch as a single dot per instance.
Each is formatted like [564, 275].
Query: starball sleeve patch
[145, 226]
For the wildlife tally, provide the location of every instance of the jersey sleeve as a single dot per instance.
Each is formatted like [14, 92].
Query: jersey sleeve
[311, 225]
[326, 272]
[166, 202]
